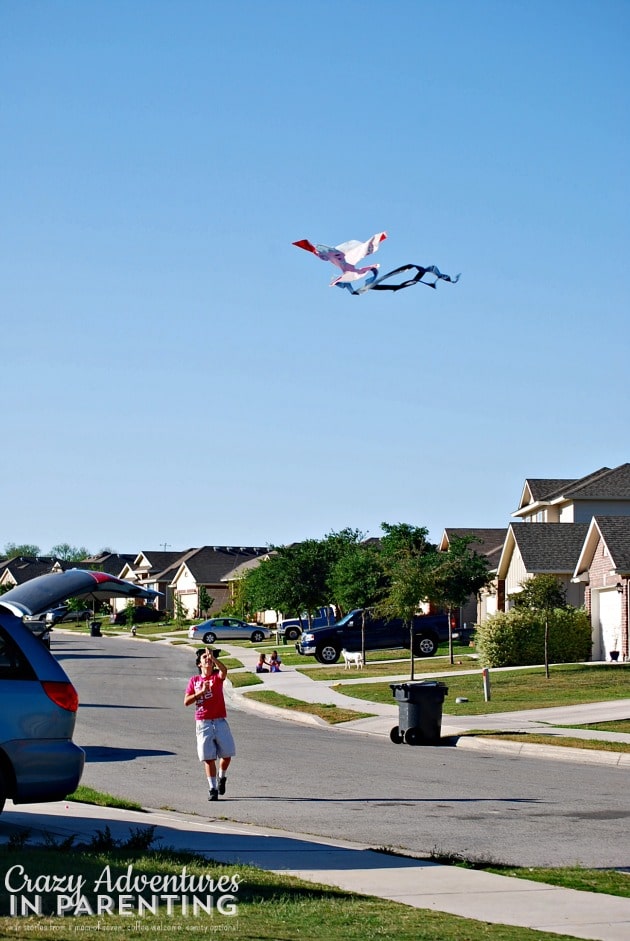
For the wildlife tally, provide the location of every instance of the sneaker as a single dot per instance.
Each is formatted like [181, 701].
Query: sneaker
[213, 795]
[222, 785]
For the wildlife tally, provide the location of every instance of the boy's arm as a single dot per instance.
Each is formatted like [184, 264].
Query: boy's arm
[221, 667]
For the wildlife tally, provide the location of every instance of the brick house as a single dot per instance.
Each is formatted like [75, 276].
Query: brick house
[603, 568]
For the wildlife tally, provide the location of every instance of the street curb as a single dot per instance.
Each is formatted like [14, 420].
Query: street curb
[556, 752]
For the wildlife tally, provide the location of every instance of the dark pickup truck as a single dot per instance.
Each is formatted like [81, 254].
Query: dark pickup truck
[326, 643]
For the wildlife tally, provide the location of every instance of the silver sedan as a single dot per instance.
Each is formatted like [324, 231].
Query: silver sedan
[227, 629]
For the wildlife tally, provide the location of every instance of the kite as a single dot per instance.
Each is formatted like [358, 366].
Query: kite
[346, 256]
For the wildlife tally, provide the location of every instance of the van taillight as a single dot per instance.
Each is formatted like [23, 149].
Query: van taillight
[453, 622]
[63, 694]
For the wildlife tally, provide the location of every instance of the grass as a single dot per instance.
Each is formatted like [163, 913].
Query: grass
[87, 795]
[619, 725]
[327, 711]
[267, 906]
[563, 741]
[395, 668]
[603, 881]
[244, 679]
[512, 690]
[606, 881]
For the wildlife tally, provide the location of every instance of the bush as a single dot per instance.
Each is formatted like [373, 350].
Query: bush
[517, 637]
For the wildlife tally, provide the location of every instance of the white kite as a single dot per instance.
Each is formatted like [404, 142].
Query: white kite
[346, 256]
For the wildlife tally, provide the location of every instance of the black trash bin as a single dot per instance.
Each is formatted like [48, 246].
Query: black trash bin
[95, 629]
[419, 712]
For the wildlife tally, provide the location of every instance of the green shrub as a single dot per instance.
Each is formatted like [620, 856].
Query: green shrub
[517, 637]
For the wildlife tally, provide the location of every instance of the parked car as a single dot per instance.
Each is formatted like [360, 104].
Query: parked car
[38, 703]
[83, 614]
[228, 629]
[326, 643]
[142, 614]
[41, 626]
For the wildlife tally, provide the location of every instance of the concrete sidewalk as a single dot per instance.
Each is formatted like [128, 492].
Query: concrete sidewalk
[354, 868]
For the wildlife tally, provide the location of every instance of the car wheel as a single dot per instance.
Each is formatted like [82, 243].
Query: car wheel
[292, 633]
[395, 736]
[327, 653]
[209, 638]
[257, 636]
[413, 737]
[425, 646]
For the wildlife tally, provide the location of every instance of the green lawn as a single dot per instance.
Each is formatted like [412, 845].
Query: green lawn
[268, 907]
[327, 711]
[395, 668]
[511, 690]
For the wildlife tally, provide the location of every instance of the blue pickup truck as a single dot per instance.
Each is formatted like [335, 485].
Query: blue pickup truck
[326, 643]
[291, 628]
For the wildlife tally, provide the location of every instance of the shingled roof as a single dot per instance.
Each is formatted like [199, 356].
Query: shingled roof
[605, 485]
[602, 484]
[209, 564]
[485, 541]
[615, 533]
[159, 561]
[24, 568]
[544, 547]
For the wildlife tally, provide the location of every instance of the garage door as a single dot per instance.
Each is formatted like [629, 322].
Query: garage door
[609, 623]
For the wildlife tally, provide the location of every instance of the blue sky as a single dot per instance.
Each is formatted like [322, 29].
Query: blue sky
[175, 372]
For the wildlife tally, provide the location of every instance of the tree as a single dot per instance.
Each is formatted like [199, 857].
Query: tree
[204, 601]
[338, 546]
[457, 574]
[541, 593]
[181, 614]
[357, 580]
[407, 557]
[130, 611]
[67, 553]
[293, 578]
[12, 550]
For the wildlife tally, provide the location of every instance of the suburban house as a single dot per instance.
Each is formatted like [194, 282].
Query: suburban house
[484, 541]
[153, 570]
[563, 539]
[603, 567]
[21, 569]
[207, 568]
[543, 548]
[110, 562]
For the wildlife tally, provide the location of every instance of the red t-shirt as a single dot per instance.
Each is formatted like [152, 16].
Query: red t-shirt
[212, 704]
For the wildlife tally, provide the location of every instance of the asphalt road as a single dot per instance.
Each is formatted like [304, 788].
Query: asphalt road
[140, 744]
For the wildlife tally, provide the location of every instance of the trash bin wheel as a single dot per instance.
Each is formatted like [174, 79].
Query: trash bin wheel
[413, 737]
[396, 736]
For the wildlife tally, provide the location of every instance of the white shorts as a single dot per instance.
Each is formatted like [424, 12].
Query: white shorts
[214, 739]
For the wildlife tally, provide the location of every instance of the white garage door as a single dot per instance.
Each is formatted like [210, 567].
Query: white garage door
[609, 623]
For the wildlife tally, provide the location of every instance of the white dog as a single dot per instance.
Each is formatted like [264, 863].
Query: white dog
[352, 657]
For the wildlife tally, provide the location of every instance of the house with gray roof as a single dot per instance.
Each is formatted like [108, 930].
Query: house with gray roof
[542, 549]
[153, 570]
[484, 541]
[22, 568]
[559, 511]
[604, 492]
[603, 567]
[207, 568]
[111, 562]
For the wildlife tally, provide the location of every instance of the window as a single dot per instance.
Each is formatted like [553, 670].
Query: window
[13, 663]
